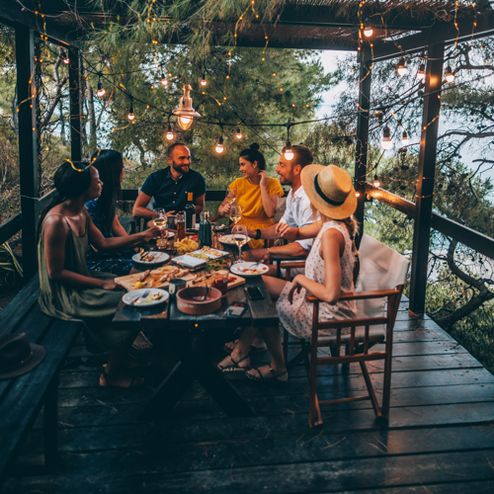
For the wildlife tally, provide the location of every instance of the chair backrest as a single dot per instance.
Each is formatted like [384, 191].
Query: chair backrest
[381, 268]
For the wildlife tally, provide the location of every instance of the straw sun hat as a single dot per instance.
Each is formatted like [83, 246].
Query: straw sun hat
[330, 190]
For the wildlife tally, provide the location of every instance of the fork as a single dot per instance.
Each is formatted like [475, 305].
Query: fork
[144, 295]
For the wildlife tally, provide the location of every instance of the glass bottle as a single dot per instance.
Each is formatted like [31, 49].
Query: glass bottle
[190, 212]
[180, 225]
[205, 231]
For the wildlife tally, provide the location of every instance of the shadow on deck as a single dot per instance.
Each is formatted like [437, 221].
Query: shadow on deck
[440, 439]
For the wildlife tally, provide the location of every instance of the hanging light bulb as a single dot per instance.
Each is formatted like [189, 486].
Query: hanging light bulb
[405, 140]
[238, 134]
[401, 67]
[386, 141]
[449, 75]
[368, 30]
[65, 57]
[376, 182]
[203, 82]
[164, 80]
[219, 148]
[100, 91]
[357, 193]
[288, 153]
[131, 116]
[421, 72]
[170, 135]
[184, 112]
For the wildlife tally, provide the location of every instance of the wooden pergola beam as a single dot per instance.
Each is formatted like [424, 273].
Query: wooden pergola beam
[425, 179]
[25, 39]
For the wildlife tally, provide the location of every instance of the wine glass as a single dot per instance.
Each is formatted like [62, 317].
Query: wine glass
[235, 213]
[161, 222]
[240, 237]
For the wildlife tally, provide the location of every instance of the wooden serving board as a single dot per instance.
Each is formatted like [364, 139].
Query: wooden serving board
[160, 277]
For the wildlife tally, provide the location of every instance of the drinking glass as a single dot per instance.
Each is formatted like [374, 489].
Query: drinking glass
[161, 222]
[235, 213]
[240, 237]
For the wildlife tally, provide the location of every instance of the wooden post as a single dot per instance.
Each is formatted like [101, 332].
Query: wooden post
[75, 104]
[425, 179]
[362, 134]
[28, 144]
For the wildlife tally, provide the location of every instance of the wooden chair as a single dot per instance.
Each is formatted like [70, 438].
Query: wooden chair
[378, 292]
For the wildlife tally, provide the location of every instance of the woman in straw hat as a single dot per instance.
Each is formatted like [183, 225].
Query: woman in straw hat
[328, 271]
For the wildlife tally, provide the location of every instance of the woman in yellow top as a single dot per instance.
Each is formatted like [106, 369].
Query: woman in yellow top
[255, 193]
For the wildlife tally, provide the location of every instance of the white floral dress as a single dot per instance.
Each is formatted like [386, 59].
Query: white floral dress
[297, 317]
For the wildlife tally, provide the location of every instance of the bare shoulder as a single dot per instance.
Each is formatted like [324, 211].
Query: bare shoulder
[333, 237]
[55, 223]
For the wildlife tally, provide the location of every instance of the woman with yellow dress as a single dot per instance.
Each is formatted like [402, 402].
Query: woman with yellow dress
[255, 193]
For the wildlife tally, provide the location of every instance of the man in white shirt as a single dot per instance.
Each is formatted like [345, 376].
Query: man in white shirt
[298, 211]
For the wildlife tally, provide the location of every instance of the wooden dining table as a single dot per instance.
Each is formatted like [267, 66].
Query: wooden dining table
[189, 339]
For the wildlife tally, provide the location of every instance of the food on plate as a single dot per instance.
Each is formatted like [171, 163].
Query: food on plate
[185, 245]
[159, 277]
[210, 278]
[147, 256]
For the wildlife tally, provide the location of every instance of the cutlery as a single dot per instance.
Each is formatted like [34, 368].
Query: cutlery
[144, 295]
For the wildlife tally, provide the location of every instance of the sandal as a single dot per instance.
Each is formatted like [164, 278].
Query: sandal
[229, 346]
[108, 379]
[229, 364]
[256, 374]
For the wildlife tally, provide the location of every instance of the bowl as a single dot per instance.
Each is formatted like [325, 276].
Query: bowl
[198, 300]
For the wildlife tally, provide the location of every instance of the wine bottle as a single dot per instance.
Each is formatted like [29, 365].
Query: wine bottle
[190, 211]
[205, 231]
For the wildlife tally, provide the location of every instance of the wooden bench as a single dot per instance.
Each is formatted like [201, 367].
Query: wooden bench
[22, 398]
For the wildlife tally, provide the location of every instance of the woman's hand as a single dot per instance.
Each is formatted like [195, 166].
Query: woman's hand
[295, 288]
[225, 209]
[150, 233]
[109, 285]
[264, 178]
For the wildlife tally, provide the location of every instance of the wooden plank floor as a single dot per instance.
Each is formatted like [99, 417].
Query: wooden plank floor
[440, 438]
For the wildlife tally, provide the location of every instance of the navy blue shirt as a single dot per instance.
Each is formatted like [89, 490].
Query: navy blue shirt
[169, 194]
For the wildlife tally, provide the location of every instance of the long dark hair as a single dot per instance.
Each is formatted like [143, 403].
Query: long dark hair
[71, 179]
[253, 154]
[109, 164]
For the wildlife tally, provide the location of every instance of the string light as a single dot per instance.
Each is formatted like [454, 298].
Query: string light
[164, 80]
[131, 116]
[357, 193]
[170, 135]
[368, 29]
[238, 134]
[376, 182]
[386, 141]
[184, 112]
[449, 75]
[219, 148]
[203, 82]
[65, 57]
[405, 140]
[101, 91]
[401, 67]
[421, 72]
[288, 152]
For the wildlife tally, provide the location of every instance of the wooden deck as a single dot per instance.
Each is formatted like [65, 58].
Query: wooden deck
[440, 439]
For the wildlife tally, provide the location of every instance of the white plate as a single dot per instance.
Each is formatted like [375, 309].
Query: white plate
[208, 252]
[157, 258]
[247, 269]
[228, 239]
[136, 298]
[189, 261]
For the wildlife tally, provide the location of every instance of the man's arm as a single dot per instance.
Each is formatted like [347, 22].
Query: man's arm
[140, 207]
[199, 202]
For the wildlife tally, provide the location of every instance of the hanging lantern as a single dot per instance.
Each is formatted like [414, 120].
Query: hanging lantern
[184, 112]
[386, 141]
[401, 67]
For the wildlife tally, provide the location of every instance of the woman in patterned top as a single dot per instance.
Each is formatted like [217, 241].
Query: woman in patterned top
[328, 272]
